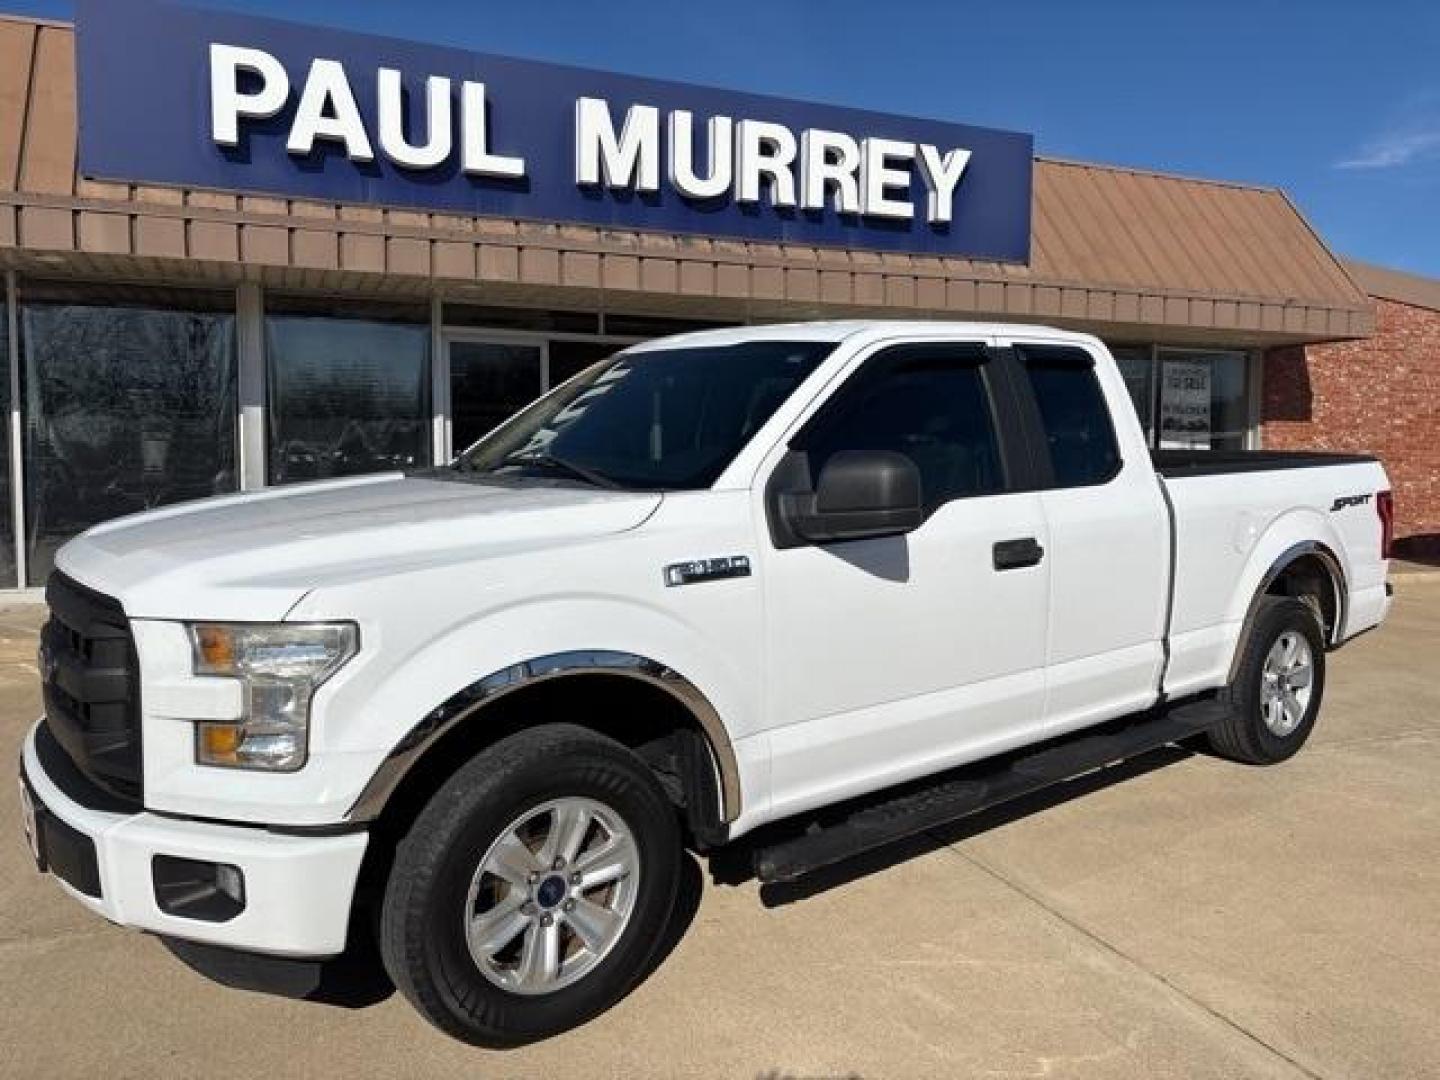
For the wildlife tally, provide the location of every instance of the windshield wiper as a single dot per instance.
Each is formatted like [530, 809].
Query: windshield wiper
[557, 464]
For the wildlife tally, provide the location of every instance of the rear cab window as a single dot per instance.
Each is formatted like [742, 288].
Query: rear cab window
[1074, 417]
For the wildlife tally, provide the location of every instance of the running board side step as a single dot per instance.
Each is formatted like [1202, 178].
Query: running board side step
[973, 788]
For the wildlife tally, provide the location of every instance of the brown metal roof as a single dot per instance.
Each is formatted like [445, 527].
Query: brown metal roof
[1136, 253]
[1387, 284]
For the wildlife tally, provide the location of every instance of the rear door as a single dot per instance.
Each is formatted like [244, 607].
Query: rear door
[1109, 534]
[890, 658]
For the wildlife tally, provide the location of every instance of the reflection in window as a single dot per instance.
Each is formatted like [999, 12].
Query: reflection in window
[569, 358]
[657, 418]
[489, 382]
[1073, 413]
[928, 402]
[346, 396]
[7, 528]
[126, 408]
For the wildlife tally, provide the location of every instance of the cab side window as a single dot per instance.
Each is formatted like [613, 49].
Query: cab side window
[928, 402]
[1073, 413]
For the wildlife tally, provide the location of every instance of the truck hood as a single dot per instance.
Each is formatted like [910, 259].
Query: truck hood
[253, 557]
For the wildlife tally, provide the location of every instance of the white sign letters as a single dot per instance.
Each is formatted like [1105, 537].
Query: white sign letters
[328, 112]
[744, 158]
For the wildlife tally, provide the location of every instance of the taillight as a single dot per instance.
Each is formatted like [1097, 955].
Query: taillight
[1385, 507]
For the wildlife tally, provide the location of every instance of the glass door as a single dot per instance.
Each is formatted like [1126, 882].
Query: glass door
[491, 379]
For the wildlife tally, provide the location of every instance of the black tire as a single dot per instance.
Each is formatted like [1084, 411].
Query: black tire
[422, 936]
[1243, 735]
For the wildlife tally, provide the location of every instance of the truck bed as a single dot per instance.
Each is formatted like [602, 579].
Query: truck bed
[1234, 514]
[1177, 464]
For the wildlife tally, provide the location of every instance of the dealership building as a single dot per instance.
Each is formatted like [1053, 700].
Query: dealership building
[228, 263]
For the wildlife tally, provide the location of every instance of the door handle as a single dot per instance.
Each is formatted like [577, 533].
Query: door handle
[1017, 554]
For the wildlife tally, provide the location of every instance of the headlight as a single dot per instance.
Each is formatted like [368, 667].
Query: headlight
[280, 666]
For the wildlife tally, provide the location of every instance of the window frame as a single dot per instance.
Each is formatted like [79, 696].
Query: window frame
[995, 394]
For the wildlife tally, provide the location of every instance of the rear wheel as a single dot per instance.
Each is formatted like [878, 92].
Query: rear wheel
[1275, 696]
[532, 890]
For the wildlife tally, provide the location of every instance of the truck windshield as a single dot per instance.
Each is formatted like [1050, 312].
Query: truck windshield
[657, 419]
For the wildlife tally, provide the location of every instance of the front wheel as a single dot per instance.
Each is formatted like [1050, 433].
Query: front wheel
[531, 892]
[1279, 682]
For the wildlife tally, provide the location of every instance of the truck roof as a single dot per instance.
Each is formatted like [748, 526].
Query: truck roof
[838, 330]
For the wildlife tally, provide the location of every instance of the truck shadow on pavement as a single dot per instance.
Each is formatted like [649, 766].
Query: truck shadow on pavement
[353, 980]
[356, 979]
[734, 865]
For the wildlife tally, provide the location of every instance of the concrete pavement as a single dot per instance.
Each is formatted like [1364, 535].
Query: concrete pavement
[1189, 918]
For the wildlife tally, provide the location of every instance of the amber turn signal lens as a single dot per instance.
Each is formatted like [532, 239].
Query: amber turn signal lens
[219, 742]
[217, 647]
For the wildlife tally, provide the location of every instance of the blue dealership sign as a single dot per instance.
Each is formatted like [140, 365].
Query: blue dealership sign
[175, 95]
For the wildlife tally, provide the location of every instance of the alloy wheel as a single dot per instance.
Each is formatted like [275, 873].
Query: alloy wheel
[552, 896]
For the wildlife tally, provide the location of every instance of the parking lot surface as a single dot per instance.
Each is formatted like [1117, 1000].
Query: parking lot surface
[1179, 917]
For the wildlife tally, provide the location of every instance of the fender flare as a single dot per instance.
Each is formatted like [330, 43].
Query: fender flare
[1333, 570]
[486, 691]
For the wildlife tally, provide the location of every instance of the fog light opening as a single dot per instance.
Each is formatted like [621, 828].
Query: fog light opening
[195, 889]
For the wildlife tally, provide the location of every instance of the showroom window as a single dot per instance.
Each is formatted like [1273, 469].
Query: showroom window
[569, 358]
[490, 381]
[129, 403]
[1203, 401]
[349, 388]
[1189, 398]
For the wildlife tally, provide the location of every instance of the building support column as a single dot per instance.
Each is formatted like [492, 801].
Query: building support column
[439, 385]
[250, 356]
[17, 442]
[1255, 395]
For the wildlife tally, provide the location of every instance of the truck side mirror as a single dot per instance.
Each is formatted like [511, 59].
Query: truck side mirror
[862, 494]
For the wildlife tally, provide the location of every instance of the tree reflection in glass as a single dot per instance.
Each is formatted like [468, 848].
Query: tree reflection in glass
[126, 408]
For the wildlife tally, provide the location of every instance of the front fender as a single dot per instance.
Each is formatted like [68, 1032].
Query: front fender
[398, 715]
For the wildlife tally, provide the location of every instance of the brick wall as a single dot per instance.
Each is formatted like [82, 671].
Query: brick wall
[1378, 396]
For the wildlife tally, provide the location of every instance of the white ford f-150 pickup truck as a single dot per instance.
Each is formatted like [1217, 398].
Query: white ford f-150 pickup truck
[897, 572]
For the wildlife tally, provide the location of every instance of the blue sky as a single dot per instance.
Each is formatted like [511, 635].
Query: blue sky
[1338, 103]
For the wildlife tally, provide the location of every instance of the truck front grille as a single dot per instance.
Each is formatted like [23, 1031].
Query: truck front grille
[91, 684]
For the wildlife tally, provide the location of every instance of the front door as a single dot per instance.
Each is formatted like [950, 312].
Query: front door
[892, 658]
[490, 380]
